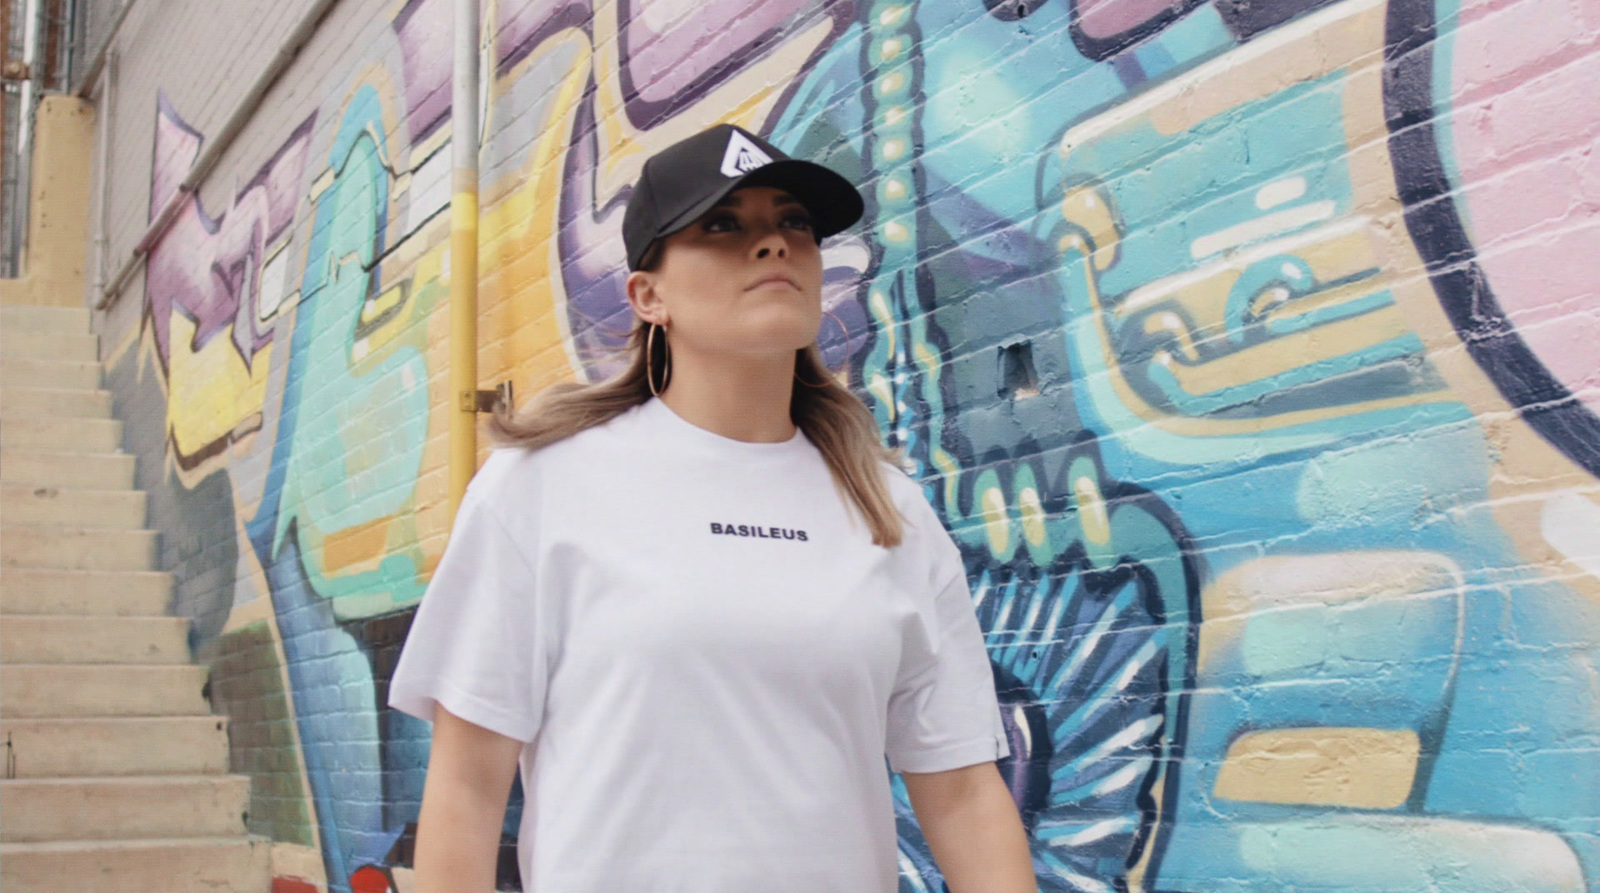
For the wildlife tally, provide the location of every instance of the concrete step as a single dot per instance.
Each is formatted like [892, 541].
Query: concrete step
[38, 691]
[79, 548]
[83, 471]
[42, 372]
[113, 593]
[77, 639]
[23, 505]
[192, 865]
[49, 346]
[67, 402]
[44, 318]
[140, 745]
[64, 433]
[108, 808]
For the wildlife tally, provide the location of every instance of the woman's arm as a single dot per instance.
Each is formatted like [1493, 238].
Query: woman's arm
[972, 826]
[463, 805]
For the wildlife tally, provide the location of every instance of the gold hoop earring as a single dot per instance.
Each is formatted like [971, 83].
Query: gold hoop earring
[838, 322]
[666, 360]
[649, 360]
[807, 383]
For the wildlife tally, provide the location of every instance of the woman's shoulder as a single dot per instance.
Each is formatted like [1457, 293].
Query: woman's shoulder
[508, 476]
[903, 488]
[514, 482]
[926, 550]
[507, 463]
[910, 496]
[510, 465]
[573, 452]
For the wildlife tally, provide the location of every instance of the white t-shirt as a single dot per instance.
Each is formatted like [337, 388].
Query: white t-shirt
[708, 658]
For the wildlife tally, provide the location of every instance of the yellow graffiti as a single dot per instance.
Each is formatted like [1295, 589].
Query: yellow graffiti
[1092, 512]
[1033, 519]
[1361, 768]
[996, 521]
[212, 396]
[521, 335]
[356, 548]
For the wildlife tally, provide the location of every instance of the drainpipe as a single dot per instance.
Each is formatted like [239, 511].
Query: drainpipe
[464, 253]
[21, 209]
[69, 42]
[102, 256]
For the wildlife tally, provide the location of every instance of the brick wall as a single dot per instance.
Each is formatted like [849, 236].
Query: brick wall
[1246, 349]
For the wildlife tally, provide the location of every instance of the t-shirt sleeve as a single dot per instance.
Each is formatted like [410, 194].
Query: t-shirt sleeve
[943, 712]
[474, 644]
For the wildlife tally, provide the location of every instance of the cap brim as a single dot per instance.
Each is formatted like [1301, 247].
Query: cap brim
[834, 204]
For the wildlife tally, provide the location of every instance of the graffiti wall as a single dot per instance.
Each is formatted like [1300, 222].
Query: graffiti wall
[1247, 349]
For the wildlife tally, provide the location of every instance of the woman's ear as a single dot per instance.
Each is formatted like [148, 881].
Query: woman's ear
[643, 297]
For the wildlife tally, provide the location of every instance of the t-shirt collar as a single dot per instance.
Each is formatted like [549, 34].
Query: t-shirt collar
[660, 421]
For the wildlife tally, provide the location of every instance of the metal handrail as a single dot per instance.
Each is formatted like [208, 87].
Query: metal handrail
[87, 86]
[219, 144]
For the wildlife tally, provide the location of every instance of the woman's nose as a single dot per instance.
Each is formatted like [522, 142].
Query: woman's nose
[771, 245]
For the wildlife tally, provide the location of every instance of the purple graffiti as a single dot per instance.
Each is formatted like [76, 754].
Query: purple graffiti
[209, 268]
[670, 45]
[1105, 29]
[424, 30]
[674, 52]
[519, 28]
[593, 262]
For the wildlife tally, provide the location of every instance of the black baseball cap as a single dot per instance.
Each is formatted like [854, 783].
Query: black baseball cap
[684, 180]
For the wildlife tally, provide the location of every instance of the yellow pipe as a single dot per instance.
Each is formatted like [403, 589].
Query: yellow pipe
[464, 252]
[463, 340]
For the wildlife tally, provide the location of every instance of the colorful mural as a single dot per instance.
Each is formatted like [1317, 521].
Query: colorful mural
[1245, 349]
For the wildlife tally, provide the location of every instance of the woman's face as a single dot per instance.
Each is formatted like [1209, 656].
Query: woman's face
[746, 278]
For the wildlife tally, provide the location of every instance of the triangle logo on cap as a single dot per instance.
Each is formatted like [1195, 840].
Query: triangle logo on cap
[742, 156]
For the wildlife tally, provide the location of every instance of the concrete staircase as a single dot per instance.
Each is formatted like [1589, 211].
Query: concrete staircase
[115, 770]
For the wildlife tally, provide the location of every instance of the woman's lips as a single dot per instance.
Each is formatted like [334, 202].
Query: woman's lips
[768, 280]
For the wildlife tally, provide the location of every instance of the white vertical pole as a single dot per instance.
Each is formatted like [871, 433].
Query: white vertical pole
[464, 252]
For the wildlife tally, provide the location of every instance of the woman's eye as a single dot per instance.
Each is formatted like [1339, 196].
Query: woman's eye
[727, 223]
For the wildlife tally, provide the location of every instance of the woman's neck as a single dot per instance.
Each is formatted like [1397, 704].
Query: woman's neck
[743, 398]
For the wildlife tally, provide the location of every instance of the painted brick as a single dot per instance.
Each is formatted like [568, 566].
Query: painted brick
[1307, 296]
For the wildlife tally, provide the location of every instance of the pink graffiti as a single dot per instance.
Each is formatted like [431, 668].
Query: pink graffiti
[1108, 18]
[209, 268]
[1529, 163]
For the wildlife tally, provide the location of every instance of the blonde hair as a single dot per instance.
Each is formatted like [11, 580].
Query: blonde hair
[831, 416]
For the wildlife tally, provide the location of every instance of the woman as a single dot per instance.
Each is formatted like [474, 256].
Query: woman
[698, 604]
